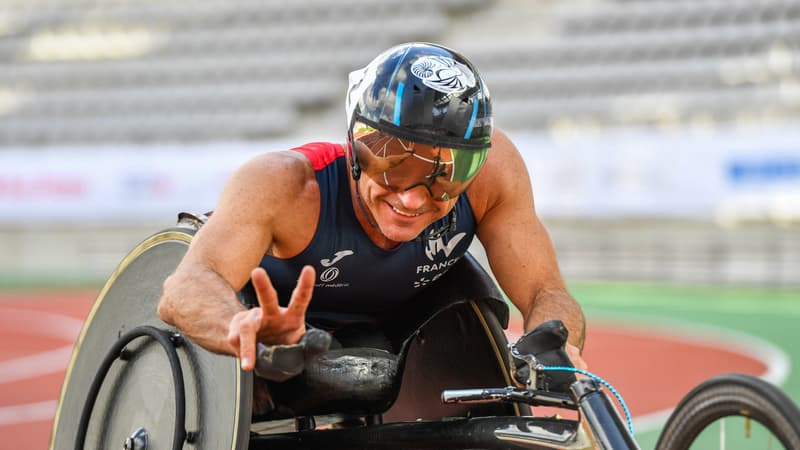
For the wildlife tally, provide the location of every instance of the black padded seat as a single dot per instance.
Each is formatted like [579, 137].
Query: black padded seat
[357, 381]
[450, 336]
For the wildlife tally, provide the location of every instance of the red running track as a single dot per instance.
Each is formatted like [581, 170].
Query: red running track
[651, 370]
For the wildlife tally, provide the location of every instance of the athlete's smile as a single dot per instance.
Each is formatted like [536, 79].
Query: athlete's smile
[404, 213]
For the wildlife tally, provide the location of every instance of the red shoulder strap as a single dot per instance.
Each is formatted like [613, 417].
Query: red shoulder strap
[321, 154]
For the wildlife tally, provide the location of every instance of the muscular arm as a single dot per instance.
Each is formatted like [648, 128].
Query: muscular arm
[200, 303]
[200, 296]
[519, 248]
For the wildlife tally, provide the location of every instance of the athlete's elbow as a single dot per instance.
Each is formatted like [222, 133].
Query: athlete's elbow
[166, 305]
[164, 312]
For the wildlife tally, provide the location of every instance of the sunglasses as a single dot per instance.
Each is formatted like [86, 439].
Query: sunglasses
[401, 165]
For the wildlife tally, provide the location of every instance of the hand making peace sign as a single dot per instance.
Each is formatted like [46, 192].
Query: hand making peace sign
[270, 323]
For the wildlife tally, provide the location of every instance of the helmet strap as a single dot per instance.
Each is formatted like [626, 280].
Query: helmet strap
[449, 227]
[355, 172]
[355, 167]
[363, 208]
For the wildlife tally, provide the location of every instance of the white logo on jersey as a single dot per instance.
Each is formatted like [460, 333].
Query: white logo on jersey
[329, 274]
[438, 245]
[336, 257]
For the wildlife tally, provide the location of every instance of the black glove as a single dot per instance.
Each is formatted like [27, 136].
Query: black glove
[281, 362]
[546, 343]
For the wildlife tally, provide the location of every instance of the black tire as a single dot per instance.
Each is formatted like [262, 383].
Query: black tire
[732, 395]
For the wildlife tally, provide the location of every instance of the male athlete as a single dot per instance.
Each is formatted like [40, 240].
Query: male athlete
[342, 231]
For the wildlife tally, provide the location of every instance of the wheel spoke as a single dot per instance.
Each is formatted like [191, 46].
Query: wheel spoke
[746, 414]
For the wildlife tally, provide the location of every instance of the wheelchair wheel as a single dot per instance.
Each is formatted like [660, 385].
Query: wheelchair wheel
[134, 383]
[733, 411]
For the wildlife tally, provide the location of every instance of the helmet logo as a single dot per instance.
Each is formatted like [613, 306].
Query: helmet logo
[443, 74]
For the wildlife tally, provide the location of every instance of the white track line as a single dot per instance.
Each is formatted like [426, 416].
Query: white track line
[774, 358]
[31, 366]
[41, 323]
[68, 328]
[27, 413]
[31, 323]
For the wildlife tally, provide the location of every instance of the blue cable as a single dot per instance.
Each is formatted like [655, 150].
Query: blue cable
[604, 382]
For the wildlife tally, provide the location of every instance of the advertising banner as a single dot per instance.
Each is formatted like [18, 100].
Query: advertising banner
[734, 174]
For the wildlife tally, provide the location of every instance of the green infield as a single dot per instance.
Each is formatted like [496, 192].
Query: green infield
[772, 315]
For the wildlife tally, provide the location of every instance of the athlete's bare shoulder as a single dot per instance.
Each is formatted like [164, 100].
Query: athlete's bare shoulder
[281, 169]
[275, 194]
[271, 180]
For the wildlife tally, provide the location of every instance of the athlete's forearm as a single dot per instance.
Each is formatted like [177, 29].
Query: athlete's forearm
[201, 305]
[558, 305]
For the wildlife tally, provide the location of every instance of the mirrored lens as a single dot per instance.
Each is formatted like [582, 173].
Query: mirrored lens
[400, 164]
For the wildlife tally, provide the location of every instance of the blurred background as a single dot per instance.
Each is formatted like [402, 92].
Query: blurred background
[662, 137]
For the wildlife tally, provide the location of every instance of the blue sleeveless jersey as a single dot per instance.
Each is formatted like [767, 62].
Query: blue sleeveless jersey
[355, 277]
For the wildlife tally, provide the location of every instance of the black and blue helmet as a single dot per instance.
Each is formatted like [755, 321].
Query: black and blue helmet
[425, 93]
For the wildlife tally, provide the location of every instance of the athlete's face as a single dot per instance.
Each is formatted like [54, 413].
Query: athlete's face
[405, 186]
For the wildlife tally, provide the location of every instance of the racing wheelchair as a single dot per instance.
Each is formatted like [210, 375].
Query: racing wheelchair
[135, 383]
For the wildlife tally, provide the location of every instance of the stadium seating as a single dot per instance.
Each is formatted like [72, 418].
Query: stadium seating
[147, 71]
[101, 72]
[648, 62]
[125, 71]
